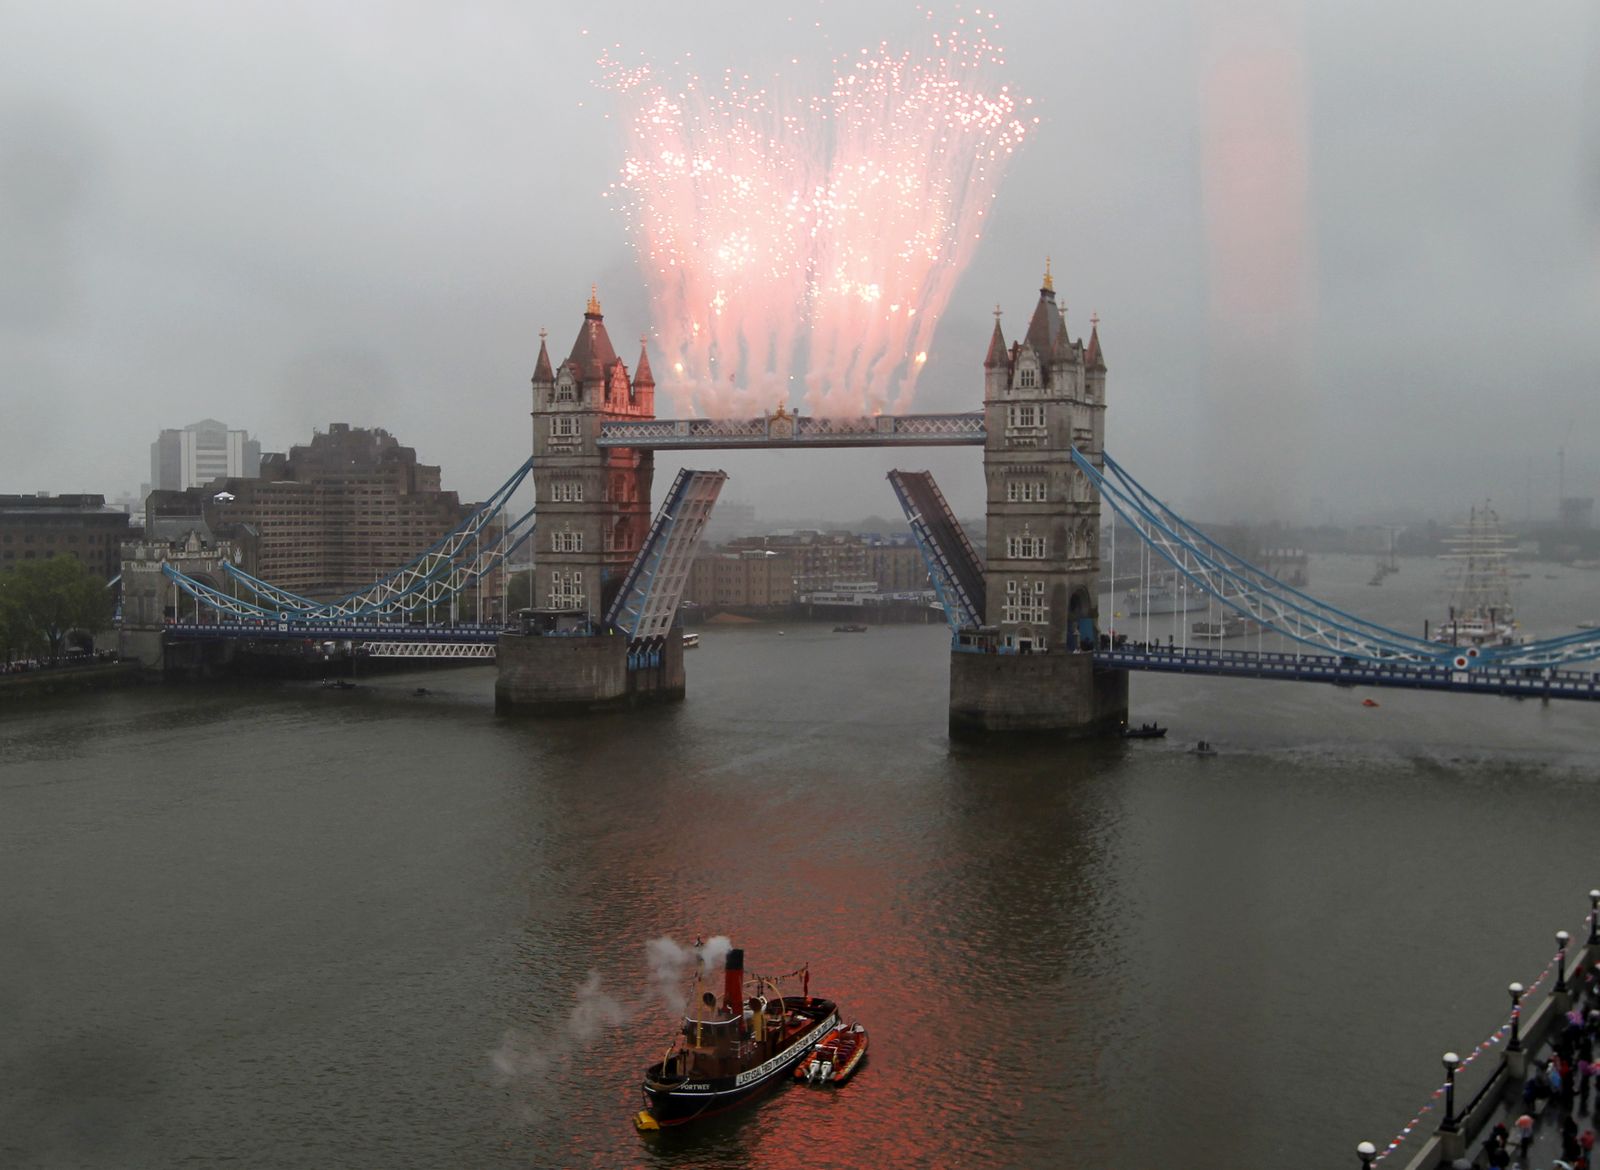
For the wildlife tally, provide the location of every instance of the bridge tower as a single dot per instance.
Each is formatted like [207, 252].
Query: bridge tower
[594, 504]
[593, 516]
[1031, 666]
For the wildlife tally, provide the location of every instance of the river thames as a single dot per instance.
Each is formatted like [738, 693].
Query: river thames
[274, 925]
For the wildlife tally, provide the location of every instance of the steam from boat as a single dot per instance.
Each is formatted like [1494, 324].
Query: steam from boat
[523, 1053]
[672, 965]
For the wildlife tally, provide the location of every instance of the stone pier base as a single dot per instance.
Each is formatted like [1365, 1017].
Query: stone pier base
[572, 675]
[1054, 693]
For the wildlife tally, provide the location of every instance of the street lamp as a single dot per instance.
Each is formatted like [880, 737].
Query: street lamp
[1516, 1018]
[1594, 917]
[1366, 1151]
[1562, 939]
[1451, 1063]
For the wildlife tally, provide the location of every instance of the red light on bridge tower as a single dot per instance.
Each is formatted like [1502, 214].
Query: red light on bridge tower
[593, 503]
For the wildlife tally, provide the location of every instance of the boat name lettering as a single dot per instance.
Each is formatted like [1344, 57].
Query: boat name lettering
[695, 1085]
[755, 1074]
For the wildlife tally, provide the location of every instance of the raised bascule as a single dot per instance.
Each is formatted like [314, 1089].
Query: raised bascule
[1029, 652]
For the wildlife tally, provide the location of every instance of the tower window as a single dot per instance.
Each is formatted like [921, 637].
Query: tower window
[1025, 547]
[1024, 415]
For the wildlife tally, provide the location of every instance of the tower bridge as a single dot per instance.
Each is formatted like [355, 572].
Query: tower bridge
[1029, 650]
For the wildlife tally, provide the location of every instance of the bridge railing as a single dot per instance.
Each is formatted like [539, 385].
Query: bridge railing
[798, 430]
[1518, 1039]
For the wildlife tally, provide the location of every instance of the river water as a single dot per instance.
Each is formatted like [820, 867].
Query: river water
[273, 925]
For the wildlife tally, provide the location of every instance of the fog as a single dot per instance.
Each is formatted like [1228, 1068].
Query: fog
[1345, 253]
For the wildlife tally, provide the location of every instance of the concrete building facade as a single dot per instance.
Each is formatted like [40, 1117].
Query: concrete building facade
[43, 526]
[742, 579]
[199, 453]
[329, 516]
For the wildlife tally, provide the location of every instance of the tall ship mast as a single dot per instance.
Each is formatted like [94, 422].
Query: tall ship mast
[1481, 613]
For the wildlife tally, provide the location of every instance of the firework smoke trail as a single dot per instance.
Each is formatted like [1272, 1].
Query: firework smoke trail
[834, 225]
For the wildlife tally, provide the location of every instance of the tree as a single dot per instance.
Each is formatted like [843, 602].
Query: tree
[41, 602]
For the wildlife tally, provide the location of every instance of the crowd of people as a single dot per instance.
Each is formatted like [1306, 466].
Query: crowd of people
[72, 658]
[1560, 1087]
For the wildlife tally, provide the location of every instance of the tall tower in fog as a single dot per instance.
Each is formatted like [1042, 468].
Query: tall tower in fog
[1043, 395]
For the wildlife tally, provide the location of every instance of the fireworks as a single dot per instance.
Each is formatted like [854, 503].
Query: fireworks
[812, 241]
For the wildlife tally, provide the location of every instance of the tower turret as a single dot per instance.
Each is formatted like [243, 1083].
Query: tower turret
[644, 383]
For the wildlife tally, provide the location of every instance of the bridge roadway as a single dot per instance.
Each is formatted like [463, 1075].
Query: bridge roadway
[1521, 682]
[1531, 682]
[355, 631]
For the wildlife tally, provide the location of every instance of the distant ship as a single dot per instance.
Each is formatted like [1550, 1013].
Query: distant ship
[1165, 595]
[1481, 613]
[1233, 626]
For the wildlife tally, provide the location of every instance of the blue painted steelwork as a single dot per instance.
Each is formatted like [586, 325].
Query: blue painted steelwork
[647, 603]
[1523, 682]
[783, 429]
[956, 571]
[1242, 587]
[445, 570]
[1281, 608]
[399, 591]
[429, 585]
[270, 629]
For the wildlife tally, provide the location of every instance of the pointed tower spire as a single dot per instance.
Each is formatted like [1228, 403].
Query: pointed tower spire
[997, 345]
[642, 375]
[541, 370]
[1094, 359]
[1049, 281]
[592, 309]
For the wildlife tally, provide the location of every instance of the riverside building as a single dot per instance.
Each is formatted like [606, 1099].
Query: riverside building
[43, 526]
[332, 515]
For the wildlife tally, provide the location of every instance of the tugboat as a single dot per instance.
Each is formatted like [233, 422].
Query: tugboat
[734, 1048]
[836, 1056]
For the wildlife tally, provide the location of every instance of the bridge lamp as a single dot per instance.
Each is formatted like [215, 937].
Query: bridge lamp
[1451, 1063]
[1366, 1151]
[1516, 990]
[1594, 917]
[1562, 939]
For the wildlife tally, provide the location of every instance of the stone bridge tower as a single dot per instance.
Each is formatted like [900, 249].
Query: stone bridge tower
[593, 504]
[1043, 396]
[1031, 667]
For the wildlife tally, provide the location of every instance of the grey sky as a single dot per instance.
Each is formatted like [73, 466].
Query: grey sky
[283, 215]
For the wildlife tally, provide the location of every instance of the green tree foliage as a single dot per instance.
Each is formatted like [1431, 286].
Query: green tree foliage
[41, 602]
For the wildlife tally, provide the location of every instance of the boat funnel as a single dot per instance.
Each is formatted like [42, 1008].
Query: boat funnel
[733, 976]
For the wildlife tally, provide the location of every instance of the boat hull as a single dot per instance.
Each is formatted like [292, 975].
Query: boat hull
[678, 1103]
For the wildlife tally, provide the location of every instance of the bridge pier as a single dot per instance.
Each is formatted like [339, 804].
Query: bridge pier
[1054, 693]
[574, 674]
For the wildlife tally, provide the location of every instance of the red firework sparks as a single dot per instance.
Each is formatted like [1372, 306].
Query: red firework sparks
[816, 237]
